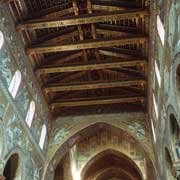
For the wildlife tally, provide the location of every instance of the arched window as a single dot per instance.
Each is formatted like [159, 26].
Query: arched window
[30, 113]
[158, 75]
[1, 39]
[43, 136]
[161, 30]
[155, 107]
[15, 83]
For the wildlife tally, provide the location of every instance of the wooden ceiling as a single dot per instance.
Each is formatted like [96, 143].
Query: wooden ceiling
[88, 55]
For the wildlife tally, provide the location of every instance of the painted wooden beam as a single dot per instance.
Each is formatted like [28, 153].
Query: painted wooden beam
[81, 19]
[90, 44]
[92, 85]
[112, 32]
[90, 67]
[100, 101]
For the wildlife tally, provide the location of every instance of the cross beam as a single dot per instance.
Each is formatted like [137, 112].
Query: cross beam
[92, 85]
[47, 48]
[99, 101]
[85, 19]
[90, 67]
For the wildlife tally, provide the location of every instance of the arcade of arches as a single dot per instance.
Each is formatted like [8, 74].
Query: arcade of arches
[90, 89]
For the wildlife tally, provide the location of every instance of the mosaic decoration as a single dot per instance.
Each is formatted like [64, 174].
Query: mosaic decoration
[22, 99]
[6, 69]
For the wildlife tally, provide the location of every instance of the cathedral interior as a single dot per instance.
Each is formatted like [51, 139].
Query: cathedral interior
[89, 89]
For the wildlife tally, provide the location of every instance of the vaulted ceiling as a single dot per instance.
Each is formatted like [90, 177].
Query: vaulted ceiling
[88, 55]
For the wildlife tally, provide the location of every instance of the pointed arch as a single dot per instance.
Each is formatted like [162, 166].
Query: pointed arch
[15, 83]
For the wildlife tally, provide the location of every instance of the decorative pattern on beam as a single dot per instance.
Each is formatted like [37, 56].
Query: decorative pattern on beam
[89, 67]
[85, 19]
[102, 101]
[92, 85]
[43, 48]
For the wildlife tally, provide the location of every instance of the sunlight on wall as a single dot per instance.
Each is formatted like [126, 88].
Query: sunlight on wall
[74, 169]
[15, 83]
[30, 113]
[153, 130]
[1, 39]
[179, 43]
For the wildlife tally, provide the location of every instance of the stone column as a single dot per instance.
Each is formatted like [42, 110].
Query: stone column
[2, 177]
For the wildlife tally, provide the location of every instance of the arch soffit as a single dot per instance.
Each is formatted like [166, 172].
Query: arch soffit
[101, 153]
[110, 169]
[170, 151]
[168, 143]
[174, 67]
[166, 149]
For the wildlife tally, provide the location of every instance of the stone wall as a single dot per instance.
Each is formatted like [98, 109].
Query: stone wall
[88, 146]
[166, 94]
[16, 136]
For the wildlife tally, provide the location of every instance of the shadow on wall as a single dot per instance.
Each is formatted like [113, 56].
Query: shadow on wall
[170, 172]
[175, 132]
[12, 170]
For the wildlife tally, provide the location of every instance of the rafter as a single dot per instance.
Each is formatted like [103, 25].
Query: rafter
[51, 35]
[124, 50]
[122, 3]
[63, 59]
[120, 52]
[112, 33]
[43, 48]
[89, 67]
[94, 35]
[62, 37]
[85, 19]
[80, 30]
[56, 14]
[120, 28]
[97, 7]
[101, 101]
[62, 10]
[72, 77]
[91, 85]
